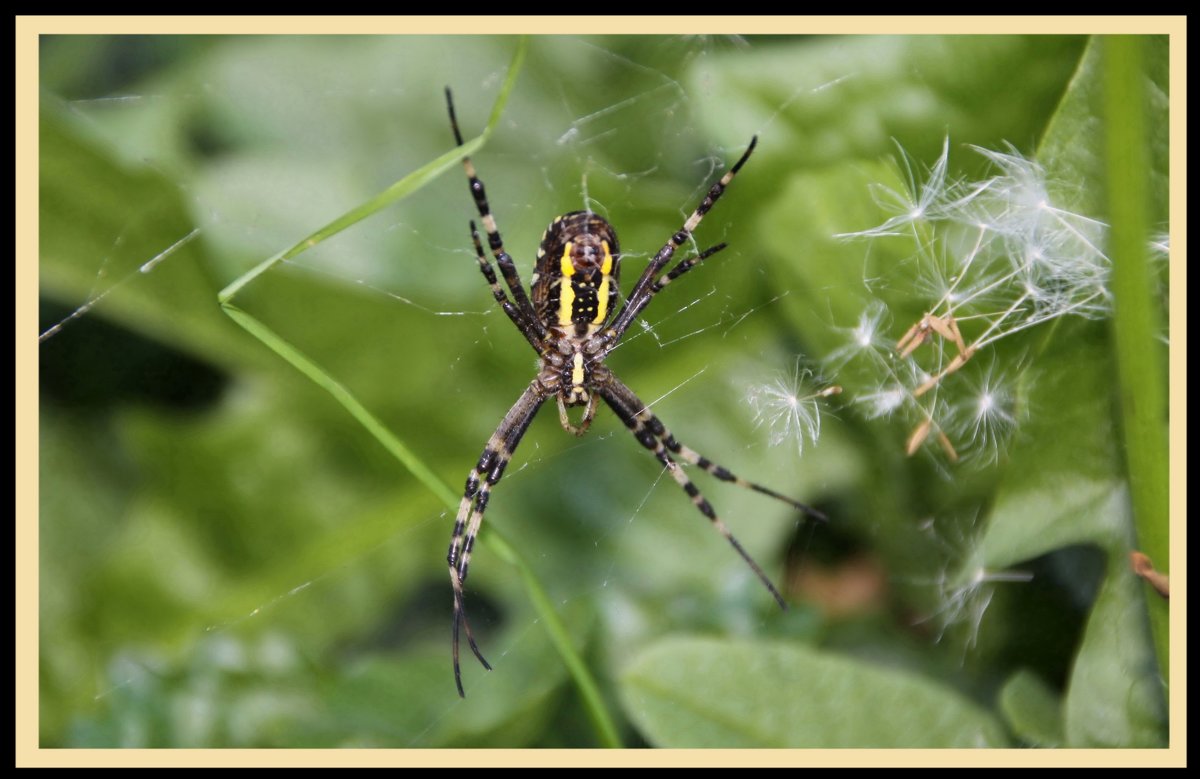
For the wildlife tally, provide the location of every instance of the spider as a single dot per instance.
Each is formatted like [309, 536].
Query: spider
[570, 318]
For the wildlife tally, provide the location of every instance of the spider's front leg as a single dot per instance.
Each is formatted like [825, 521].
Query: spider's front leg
[528, 328]
[486, 474]
[648, 283]
[504, 261]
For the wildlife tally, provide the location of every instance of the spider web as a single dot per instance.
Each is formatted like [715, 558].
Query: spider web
[301, 552]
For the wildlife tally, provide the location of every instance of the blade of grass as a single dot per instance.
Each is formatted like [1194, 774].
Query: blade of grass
[398, 191]
[318, 376]
[1135, 316]
[602, 720]
[590, 692]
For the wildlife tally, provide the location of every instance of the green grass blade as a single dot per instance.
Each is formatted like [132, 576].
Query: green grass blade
[1135, 316]
[401, 189]
[318, 376]
[602, 720]
[593, 702]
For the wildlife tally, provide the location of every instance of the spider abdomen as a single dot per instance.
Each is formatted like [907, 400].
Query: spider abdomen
[575, 277]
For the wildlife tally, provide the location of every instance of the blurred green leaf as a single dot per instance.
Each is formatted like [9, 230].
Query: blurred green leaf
[1058, 494]
[848, 98]
[119, 233]
[1072, 147]
[699, 692]
[1032, 710]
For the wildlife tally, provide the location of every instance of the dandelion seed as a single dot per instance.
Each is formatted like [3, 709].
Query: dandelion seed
[866, 334]
[941, 270]
[1160, 246]
[864, 339]
[884, 402]
[1143, 566]
[986, 417]
[915, 202]
[964, 586]
[789, 407]
[947, 447]
[965, 597]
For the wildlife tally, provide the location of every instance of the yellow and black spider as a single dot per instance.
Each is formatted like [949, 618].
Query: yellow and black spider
[570, 318]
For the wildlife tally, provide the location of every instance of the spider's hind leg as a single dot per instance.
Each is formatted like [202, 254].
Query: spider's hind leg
[653, 435]
[486, 474]
[693, 457]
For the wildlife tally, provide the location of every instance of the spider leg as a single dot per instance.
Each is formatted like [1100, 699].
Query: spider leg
[681, 267]
[508, 268]
[515, 314]
[642, 289]
[483, 477]
[633, 413]
[691, 456]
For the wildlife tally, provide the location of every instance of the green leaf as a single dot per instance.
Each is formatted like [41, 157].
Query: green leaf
[701, 692]
[116, 237]
[1115, 695]
[1062, 489]
[1032, 709]
[1072, 147]
[407, 700]
[846, 98]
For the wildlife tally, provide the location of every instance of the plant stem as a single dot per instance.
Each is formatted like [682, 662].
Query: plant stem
[1136, 318]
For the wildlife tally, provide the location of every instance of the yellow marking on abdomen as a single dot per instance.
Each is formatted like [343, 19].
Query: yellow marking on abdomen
[566, 293]
[605, 278]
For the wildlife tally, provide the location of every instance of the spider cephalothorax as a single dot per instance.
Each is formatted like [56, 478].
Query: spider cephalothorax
[571, 320]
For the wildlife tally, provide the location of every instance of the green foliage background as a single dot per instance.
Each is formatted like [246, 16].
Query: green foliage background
[229, 559]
